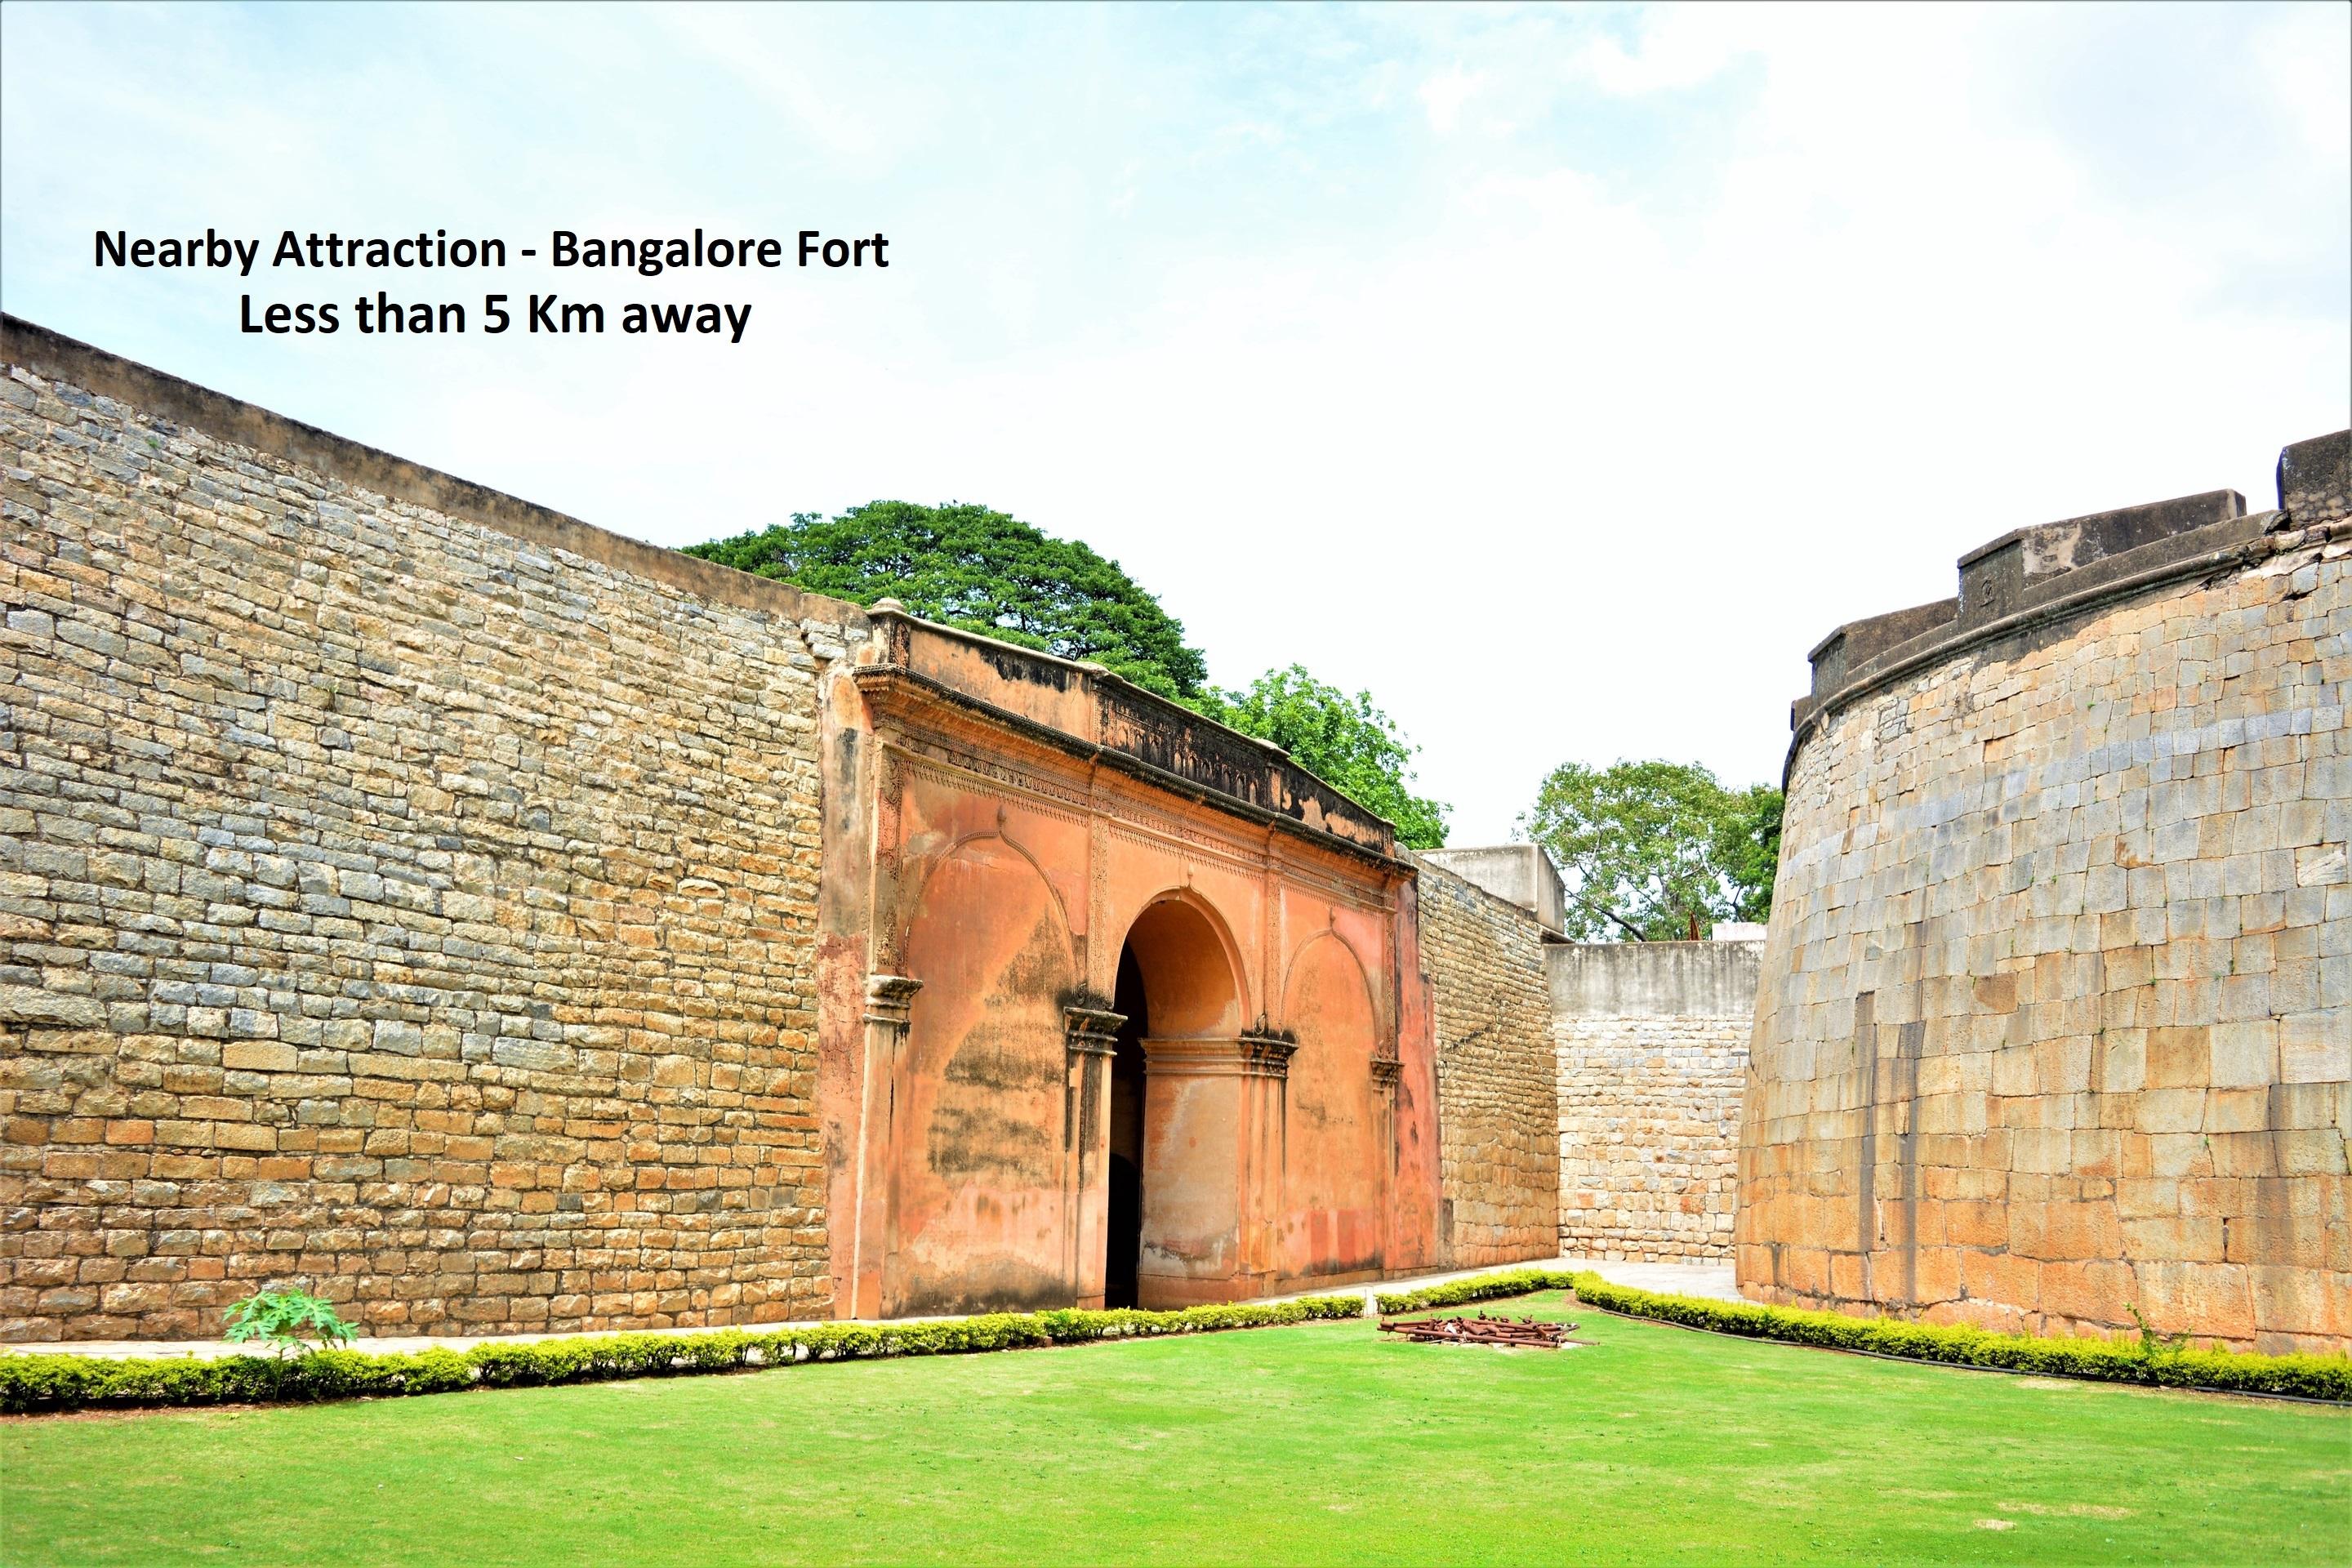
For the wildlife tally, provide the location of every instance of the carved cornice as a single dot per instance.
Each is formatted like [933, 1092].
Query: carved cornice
[1053, 790]
[905, 692]
[1092, 1031]
[945, 762]
[1249, 1055]
[1162, 834]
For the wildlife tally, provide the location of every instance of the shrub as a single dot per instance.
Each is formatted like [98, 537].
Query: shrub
[1482, 1287]
[2149, 1359]
[46, 1381]
[288, 1320]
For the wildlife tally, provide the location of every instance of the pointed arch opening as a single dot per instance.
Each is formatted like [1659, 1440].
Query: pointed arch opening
[977, 1196]
[1337, 1163]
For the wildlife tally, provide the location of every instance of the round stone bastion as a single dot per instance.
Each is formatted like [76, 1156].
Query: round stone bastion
[2053, 1028]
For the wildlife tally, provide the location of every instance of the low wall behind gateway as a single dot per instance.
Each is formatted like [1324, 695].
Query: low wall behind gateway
[1499, 1171]
[403, 892]
[1651, 1042]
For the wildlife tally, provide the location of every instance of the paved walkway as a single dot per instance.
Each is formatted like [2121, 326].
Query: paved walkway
[1678, 1279]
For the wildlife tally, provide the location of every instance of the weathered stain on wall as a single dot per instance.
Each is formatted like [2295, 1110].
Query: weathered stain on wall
[403, 890]
[1652, 1048]
[2056, 1013]
[1498, 1100]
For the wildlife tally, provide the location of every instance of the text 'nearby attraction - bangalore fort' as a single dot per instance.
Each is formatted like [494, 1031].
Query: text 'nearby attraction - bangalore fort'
[497, 924]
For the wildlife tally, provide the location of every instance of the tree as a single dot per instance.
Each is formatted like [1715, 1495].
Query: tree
[990, 573]
[984, 571]
[1344, 740]
[1656, 851]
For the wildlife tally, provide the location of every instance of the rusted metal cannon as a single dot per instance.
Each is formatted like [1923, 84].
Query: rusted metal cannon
[1482, 1330]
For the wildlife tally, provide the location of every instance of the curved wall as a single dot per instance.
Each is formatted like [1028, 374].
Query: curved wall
[2055, 1015]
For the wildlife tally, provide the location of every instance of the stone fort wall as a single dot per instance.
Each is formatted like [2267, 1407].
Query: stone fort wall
[1497, 1111]
[403, 890]
[1651, 1048]
[2055, 1017]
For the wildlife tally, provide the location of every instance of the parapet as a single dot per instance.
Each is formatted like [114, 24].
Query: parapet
[2032, 577]
[2314, 478]
[1085, 710]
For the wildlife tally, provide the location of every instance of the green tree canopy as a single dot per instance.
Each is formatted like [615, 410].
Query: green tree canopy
[982, 570]
[1656, 851]
[1344, 740]
[971, 567]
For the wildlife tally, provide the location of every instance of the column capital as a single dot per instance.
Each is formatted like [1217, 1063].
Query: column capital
[888, 998]
[1387, 1071]
[1091, 1031]
[1267, 1055]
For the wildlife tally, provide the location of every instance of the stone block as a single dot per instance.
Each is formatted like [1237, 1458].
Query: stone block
[2180, 1057]
[257, 1056]
[2244, 1054]
[2316, 1046]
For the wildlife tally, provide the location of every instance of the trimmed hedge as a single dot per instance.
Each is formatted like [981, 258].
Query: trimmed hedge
[2326, 1377]
[1482, 1287]
[46, 1381]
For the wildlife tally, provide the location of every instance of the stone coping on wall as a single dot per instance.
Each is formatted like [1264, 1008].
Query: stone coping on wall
[1519, 874]
[1177, 747]
[1653, 979]
[2025, 585]
[1422, 863]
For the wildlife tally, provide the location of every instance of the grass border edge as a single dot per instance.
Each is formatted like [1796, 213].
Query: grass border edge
[47, 1382]
[2322, 1379]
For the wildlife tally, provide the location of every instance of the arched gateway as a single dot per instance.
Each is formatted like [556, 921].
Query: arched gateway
[1116, 1012]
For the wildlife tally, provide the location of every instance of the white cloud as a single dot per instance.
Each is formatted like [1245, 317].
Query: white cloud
[1680, 47]
[2300, 56]
[1563, 403]
[1444, 94]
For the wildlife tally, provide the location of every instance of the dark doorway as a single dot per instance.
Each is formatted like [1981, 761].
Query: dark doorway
[1124, 1229]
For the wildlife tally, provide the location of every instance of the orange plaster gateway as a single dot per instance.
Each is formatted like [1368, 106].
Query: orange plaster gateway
[1115, 1008]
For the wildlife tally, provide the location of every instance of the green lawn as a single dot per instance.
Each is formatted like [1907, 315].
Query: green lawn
[1325, 1443]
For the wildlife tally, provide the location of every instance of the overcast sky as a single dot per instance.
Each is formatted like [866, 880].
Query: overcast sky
[1560, 376]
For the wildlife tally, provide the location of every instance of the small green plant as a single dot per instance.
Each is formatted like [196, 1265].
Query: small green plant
[2153, 1344]
[288, 1320]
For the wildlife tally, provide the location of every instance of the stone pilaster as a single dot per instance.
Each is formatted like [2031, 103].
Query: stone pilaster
[1092, 1037]
[1264, 1062]
[889, 1004]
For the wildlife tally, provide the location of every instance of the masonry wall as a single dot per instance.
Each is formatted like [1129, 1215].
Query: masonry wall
[1496, 1106]
[2056, 1013]
[1651, 1047]
[410, 908]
